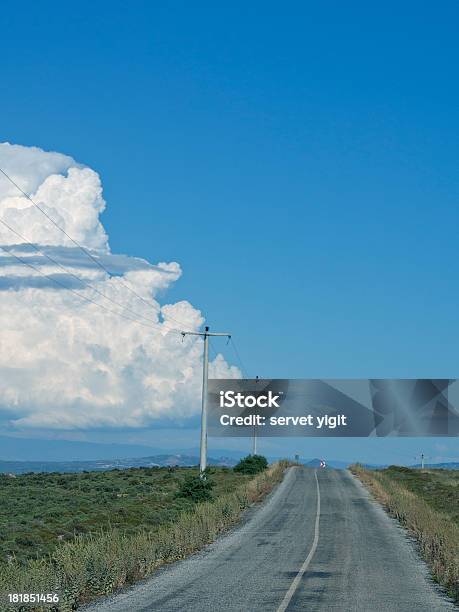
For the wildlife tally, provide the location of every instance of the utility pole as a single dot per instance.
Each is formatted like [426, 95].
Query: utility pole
[254, 440]
[205, 378]
[422, 457]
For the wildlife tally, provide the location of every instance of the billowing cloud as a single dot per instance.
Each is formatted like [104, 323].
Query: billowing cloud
[65, 362]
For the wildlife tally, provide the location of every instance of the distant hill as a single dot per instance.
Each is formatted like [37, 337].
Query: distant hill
[342, 465]
[19, 455]
[336, 465]
[23, 467]
[434, 466]
[452, 465]
[32, 449]
[156, 460]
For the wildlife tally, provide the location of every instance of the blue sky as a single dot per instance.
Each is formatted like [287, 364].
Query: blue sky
[298, 160]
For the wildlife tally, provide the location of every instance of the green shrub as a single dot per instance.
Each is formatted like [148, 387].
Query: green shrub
[195, 488]
[252, 464]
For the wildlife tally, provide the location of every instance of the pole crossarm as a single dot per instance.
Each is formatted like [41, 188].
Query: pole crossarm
[206, 333]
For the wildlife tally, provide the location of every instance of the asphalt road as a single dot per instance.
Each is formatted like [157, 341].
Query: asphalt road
[317, 544]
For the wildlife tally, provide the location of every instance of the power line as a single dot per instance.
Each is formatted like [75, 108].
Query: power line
[81, 280]
[213, 349]
[238, 357]
[236, 352]
[83, 297]
[101, 265]
[85, 251]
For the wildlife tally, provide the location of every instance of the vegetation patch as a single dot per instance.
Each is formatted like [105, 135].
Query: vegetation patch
[252, 464]
[40, 511]
[196, 488]
[99, 561]
[426, 502]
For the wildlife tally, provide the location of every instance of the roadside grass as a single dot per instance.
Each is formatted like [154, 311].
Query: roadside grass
[97, 563]
[40, 511]
[427, 504]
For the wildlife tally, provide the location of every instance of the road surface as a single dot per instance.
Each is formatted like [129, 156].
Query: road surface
[317, 544]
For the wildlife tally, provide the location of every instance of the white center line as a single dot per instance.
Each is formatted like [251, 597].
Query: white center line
[296, 581]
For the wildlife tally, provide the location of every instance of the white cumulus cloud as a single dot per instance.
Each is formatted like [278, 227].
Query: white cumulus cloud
[65, 362]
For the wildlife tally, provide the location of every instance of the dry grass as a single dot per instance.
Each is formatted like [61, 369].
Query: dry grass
[436, 532]
[88, 567]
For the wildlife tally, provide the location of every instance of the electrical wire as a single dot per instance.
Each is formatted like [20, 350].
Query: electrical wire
[152, 325]
[212, 348]
[238, 357]
[81, 280]
[83, 297]
[76, 243]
